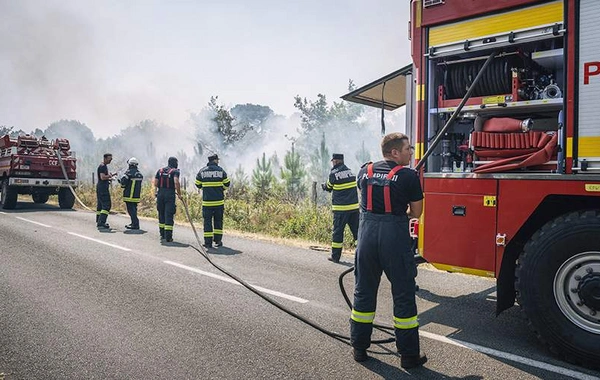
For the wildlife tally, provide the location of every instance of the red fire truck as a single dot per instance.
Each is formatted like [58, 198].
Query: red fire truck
[31, 165]
[504, 111]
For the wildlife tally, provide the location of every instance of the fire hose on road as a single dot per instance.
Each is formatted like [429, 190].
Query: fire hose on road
[342, 338]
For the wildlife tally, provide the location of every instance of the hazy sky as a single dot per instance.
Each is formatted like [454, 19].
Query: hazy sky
[111, 64]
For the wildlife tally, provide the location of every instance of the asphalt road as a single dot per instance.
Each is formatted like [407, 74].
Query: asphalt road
[77, 303]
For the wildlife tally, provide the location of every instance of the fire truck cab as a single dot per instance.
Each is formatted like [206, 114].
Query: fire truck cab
[503, 106]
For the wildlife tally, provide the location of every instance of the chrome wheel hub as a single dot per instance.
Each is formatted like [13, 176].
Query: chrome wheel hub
[577, 290]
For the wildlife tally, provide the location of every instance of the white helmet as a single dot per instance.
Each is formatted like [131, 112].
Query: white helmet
[132, 161]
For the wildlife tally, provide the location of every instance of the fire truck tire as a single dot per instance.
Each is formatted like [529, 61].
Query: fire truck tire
[9, 196]
[39, 198]
[558, 286]
[66, 199]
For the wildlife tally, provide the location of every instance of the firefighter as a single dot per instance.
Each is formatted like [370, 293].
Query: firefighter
[344, 199]
[103, 203]
[166, 182]
[131, 182]
[213, 181]
[390, 195]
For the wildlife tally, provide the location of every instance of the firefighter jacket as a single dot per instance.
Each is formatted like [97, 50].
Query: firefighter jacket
[342, 184]
[213, 181]
[131, 182]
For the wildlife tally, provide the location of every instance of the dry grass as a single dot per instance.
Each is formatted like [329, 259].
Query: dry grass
[301, 224]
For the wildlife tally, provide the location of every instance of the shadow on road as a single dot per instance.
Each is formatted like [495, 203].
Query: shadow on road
[173, 244]
[25, 207]
[388, 371]
[134, 232]
[224, 251]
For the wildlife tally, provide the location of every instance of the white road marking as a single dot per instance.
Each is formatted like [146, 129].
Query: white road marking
[508, 356]
[2, 212]
[100, 241]
[33, 221]
[232, 281]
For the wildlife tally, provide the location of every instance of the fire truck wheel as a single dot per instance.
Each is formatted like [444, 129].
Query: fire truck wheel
[558, 286]
[39, 198]
[9, 196]
[66, 199]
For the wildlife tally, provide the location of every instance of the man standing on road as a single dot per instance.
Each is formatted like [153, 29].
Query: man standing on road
[213, 181]
[131, 182]
[166, 182]
[103, 203]
[344, 199]
[390, 195]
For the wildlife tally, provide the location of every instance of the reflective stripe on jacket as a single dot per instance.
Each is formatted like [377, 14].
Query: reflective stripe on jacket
[213, 181]
[342, 184]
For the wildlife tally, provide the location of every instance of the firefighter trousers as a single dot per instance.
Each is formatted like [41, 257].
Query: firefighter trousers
[210, 215]
[384, 246]
[165, 204]
[103, 205]
[340, 220]
[132, 211]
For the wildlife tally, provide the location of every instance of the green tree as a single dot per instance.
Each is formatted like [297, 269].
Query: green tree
[363, 154]
[293, 175]
[4, 130]
[229, 131]
[253, 115]
[313, 114]
[240, 183]
[262, 177]
[80, 136]
[320, 161]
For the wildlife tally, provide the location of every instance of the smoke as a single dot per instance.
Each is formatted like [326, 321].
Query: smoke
[112, 67]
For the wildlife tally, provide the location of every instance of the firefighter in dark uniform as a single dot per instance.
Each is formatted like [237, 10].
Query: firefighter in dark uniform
[103, 203]
[131, 182]
[344, 199]
[390, 195]
[167, 185]
[213, 181]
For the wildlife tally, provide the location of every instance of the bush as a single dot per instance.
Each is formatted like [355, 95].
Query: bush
[270, 216]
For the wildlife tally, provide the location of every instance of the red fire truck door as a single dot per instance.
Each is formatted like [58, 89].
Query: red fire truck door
[460, 224]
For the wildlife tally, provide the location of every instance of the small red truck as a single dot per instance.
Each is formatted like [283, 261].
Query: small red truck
[31, 165]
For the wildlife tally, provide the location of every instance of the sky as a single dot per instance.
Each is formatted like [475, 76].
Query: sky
[111, 64]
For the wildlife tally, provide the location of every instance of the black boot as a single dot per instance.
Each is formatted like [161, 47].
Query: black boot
[102, 221]
[168, 236]
[360, 354]
[412, 361]
[162, 233]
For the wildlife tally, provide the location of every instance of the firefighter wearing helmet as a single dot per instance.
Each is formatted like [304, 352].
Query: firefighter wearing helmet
[213, 180]
[166, 182]
[131, 182]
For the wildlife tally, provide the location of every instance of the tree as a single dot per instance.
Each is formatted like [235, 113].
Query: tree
[80, 136]
[239, 183]
[313, 115]
[253, 115]
[362, 155]
[293, 174]
[320, 161]
[4, 130]
[229, 131]
[262, 177]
